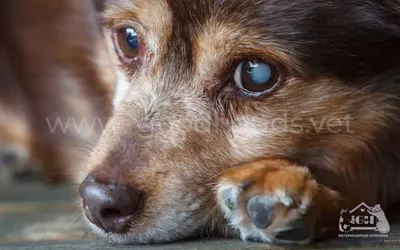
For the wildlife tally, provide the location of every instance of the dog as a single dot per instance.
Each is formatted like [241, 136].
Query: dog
[57, 77]
[256, 119]
[250, 119]
[382, 225]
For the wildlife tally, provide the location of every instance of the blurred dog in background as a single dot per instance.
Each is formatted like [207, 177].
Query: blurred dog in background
[56, 86]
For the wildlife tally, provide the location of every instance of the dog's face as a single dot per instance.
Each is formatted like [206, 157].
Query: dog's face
[216, 83]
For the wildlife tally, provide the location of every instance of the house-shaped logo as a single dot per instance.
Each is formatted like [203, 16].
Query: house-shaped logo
[363, 218]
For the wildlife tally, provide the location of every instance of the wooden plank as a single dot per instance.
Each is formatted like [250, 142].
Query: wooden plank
[33, 215]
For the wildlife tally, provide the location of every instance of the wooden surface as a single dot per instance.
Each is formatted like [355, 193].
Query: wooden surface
[36, 216]
[206, 244]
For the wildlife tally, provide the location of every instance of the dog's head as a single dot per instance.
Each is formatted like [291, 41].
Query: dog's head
[216, 83]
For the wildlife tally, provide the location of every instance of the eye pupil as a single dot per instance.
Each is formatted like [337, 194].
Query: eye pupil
[127, 44]
[260, 73]
[256, 76]
[131, 38]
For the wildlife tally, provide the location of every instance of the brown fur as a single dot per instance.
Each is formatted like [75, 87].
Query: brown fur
[183, 122]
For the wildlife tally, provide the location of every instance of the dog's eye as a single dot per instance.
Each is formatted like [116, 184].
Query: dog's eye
[127, 43]
[256, 77]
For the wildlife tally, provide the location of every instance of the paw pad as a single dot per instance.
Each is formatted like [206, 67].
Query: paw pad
[9, 159]
[230, 195]
[259, 209]
[230, 198]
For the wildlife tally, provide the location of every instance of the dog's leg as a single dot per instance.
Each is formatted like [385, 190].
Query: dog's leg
[277, 202]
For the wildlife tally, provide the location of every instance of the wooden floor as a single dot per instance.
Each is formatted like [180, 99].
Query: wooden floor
[36, 216]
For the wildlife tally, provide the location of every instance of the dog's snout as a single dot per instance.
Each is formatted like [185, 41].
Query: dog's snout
[109, 206]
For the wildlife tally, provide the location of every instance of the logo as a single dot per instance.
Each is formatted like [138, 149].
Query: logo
[363, 221]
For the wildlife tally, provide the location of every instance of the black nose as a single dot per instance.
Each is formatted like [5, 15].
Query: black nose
[109, 206]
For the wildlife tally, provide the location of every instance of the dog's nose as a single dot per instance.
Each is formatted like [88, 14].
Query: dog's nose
[109, 206]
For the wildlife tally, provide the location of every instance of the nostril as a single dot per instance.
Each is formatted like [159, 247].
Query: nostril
[111, 214]
[109, 206]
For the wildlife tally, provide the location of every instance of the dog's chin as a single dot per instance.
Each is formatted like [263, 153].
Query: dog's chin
[124, 238]
[114, 238]
[147, 236]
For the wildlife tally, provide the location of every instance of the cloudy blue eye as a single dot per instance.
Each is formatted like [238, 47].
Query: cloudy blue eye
[127, 43]
[256, 77]
[260, 73]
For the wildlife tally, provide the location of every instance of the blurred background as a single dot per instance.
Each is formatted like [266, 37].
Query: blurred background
[56, 87]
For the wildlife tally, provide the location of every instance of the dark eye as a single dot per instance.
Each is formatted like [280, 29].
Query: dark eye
[256, 77]
[127, 43]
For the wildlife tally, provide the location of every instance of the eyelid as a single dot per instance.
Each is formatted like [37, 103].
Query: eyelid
[138, 26]
[236, 79]
[131, 64]
[119, 51]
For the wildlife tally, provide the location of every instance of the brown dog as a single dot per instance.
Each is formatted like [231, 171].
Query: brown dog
[56, 85]
[305, 91]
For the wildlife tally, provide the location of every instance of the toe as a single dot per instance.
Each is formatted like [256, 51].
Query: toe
[230, 197]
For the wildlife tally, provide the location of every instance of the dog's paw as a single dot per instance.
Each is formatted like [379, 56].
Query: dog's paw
[16, 164]
[276, 202]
